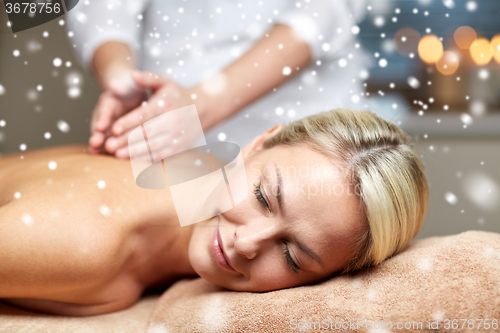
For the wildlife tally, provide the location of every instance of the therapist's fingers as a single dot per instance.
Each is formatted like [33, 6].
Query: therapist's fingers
[149, 80]
[108, 111]
[138, 152]
[96, 140]
[130, 121]
[114, 143]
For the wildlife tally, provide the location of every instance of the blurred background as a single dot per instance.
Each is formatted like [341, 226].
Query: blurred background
[432, 66]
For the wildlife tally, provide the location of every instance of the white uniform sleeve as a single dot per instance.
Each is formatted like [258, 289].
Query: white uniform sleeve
[94, 22]
[326, 25]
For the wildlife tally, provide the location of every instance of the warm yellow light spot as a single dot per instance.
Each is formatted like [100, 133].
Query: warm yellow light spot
[464, 36]
[406, 41]
[430, 49]
[448, 63]
[495, 45]
[480, 51]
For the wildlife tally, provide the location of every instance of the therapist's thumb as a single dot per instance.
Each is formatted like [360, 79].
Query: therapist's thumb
[149, 80]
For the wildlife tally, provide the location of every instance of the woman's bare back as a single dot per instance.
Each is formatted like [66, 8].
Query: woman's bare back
[77, 236]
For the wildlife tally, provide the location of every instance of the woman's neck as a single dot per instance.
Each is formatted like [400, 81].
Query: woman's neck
[161, 255]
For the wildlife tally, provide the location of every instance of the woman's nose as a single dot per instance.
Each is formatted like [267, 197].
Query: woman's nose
[251, 238]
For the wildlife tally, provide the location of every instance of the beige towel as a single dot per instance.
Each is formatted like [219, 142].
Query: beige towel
[131, 320]
[433, 282]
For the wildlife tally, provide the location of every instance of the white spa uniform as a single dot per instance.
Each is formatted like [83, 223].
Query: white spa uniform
[188, 41]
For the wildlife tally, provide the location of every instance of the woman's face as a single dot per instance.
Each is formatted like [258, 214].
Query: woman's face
[297, 225]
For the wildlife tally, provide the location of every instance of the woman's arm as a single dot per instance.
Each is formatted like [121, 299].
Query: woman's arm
[274, 59]
[112, 60]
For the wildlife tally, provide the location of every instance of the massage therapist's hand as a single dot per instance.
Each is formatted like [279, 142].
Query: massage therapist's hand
[122, 96]
[166, 96]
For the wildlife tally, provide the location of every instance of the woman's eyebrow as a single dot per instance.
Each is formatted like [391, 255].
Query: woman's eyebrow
[279, 198]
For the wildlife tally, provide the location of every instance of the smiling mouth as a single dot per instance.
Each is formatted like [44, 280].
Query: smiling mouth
[217, 250]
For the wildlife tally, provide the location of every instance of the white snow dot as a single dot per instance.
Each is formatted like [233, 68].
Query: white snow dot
[17, 195]
[364, 74]
[63, 126]
[287, 70]
[101, 184]
[61, 22]
[466, 119]
[279, 111]
[193, 96]
[382, 63]
[68, 64]
[445, 107]
[39, 87]
[325, 47]
[74, 92]
[482, 190]
[342, 62]
[221, 136]
[104, 210]
[379, 21]
[22, 146]
[45, 34]
[355, 99]
[181, 10]
[425, 264]
[161, 103]
[451, 198]
[413, 82]
[57, 62]
[483, 74]
[291, 113]
[52, 165]
[478, 108]
[2, 90]
[16, 53]
[449, 3]
[471, 6]
[2, 123]
[27, 219]
[47, 135]
[355, 30]
[197, 162]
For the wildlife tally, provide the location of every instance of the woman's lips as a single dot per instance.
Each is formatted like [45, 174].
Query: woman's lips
[218, 252]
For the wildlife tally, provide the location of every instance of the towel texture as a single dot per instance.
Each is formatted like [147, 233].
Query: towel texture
[130, 320]
[434, 281]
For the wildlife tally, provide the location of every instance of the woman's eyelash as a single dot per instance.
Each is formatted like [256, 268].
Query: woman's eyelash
[290, 261]
[260, 197]
[263, 201]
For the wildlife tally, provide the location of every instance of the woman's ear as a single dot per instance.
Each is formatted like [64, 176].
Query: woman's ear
[258, 143]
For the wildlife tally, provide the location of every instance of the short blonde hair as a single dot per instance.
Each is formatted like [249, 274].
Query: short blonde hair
[384, 168]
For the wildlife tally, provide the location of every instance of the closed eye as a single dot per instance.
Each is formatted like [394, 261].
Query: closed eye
[260, 197]
[290, 261]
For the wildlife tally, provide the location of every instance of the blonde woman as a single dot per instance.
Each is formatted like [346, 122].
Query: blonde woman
[333, 192]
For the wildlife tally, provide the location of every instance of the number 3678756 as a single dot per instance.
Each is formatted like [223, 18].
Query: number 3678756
[27, 7]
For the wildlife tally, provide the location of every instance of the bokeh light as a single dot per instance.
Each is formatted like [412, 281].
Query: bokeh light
[481, 51]
[495, 46]
[464, 36]
[406, 41]
[448, 63]
[430, 49]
